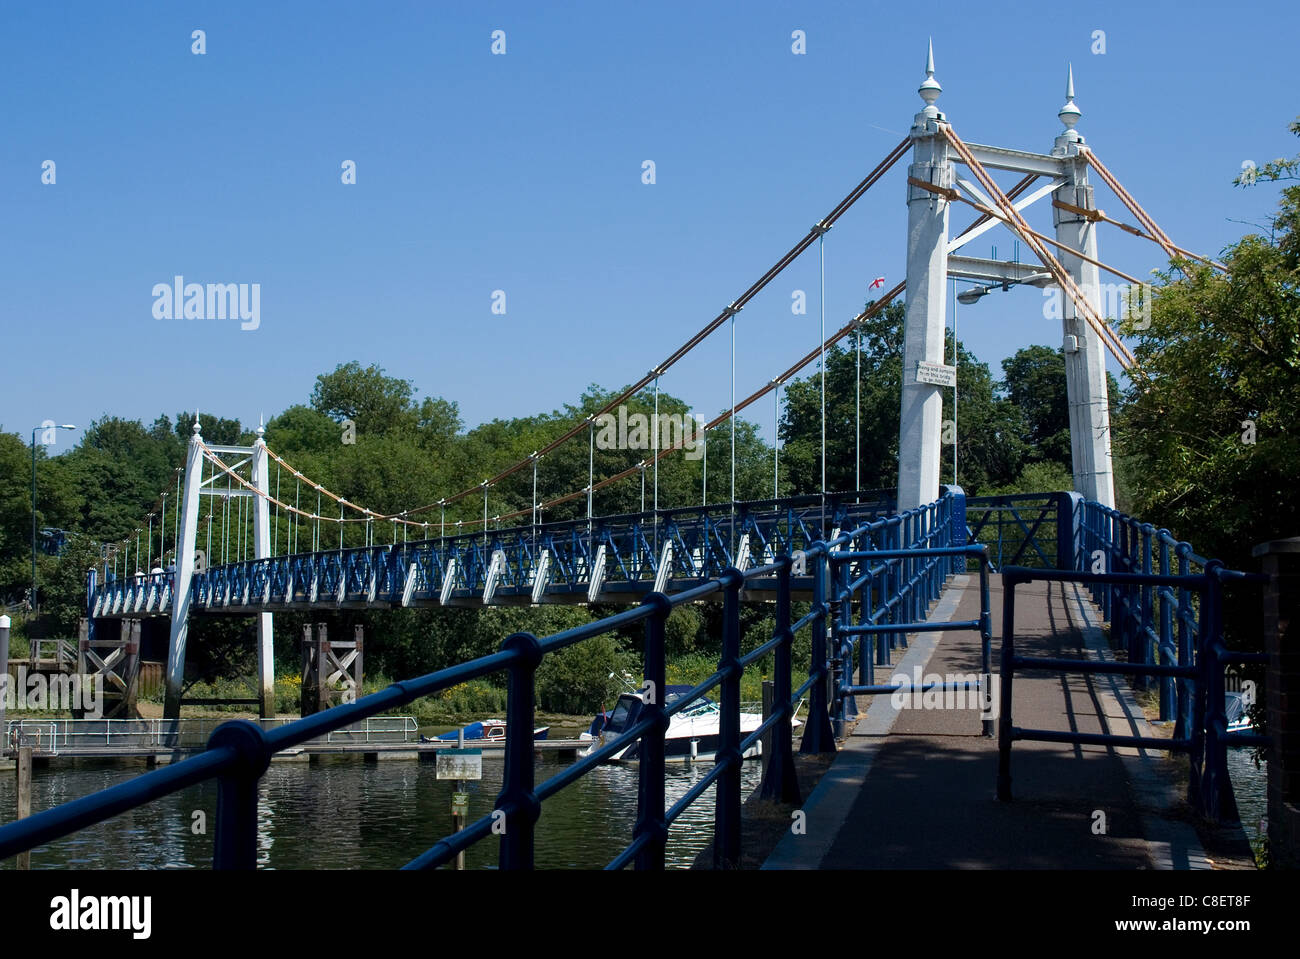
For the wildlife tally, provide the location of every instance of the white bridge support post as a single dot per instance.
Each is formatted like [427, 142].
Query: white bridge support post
[185, 547]
[1085, 358]
[262, 550]
[921, 409]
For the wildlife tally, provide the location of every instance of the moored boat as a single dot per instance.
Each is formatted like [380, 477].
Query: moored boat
[492, 730]
[1238, 717]
[693, 733]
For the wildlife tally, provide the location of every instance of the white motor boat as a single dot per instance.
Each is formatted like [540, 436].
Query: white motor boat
[693, 733]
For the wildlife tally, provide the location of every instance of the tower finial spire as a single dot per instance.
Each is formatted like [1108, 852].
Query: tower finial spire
[1069, 114]
[930, 89]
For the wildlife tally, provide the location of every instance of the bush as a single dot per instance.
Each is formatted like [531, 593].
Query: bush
[576, 680]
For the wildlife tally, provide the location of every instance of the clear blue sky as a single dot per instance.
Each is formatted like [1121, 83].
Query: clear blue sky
[522, 173]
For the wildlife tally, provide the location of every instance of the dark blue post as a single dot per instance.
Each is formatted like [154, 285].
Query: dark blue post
[957, 525]
[1186, 651]
[1146, 618]
[1165, 594]
[817, 733]
[1220, 805]
[893, 579]
[844, 708]
[780, 783]
[1125, 617]
[1004, 705]
[880, 597]
[517, 807]
[913, 586]
[934, 564]
[92, 576]
[1114, 564]
[726, 819]
[986, 643]
[871, 646]
[235, 839]
[650, 820]
[1069, 531]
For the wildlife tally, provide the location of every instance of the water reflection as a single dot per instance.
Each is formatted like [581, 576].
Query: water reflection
[1250, 786]
[347, 814]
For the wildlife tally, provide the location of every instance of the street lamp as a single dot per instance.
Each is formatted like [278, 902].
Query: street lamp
[31, 600]
[975, 293]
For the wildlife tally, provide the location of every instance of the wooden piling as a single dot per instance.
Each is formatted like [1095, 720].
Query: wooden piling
[24, 796]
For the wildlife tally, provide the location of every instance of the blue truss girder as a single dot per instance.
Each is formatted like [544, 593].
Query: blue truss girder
[705, 541]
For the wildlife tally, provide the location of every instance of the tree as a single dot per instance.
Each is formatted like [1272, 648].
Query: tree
[15, 517]
[881, 343]
[374, 402]
[989, 429]
[1210, 417]
[1034, 382]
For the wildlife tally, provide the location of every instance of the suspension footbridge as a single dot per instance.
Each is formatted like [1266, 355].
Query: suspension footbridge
[873, 565]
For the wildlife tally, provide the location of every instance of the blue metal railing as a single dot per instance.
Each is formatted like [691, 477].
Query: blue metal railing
[884, 621]
[1026, 529]
[1143, 582]
[1153, 623]
[239, 752]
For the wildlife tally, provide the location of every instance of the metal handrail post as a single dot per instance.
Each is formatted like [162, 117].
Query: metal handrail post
[1146, 620]
[780, 782]
[817, 735]
[726, 820]
[517, 806]
[1220, 805]
[1168, 685]
[650, 821]
[842, 645]
[1186, 647]
[986, 642]
[235, 839]
[1004, 711]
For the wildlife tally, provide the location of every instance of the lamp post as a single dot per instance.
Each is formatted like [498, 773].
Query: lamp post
[31, 600]
[975, 293]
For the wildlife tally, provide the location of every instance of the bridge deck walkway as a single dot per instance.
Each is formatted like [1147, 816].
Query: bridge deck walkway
[914, 788]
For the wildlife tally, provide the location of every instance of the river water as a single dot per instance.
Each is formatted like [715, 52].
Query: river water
[343, 813]
[1250, 787]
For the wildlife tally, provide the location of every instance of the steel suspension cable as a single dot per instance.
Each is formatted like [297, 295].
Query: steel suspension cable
[1059, 273]
[870, 180]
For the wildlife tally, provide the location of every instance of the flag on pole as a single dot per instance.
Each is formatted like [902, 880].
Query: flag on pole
[877, 282]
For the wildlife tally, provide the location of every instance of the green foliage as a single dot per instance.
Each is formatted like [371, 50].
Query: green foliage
[576, 679]
[1037, 477]
[15, 518]
[682, 631]
[63, 593]
[474, 699]
[990, 428]
[1034, 382]
[881, 345]
[1209, 423]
